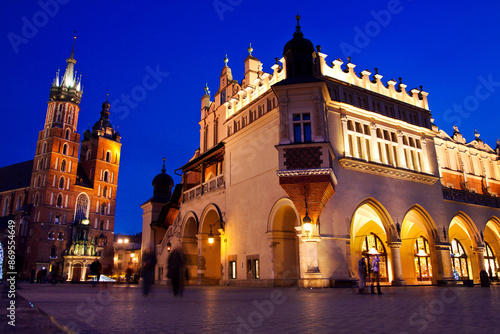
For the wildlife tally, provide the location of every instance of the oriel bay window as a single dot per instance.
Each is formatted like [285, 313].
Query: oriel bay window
[302, 128]
[423, 264]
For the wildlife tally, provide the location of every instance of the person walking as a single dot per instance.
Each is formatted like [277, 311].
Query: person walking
[177, 270]
[375, 262]
[362, 274]
[95, 270]
[128, 275]
[148, 269]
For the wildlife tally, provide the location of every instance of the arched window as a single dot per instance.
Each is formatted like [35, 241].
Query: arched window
[101, 225]
[423, 264]
[59, 200]
[88, 155]
[108, 156]
[65, 149]
[37, 197]
[105, 192]
[53, 252]
[19, 202]
[70, 114]
[51, 235]
[459, 259]
[82, 206]
[63, 166]
[60, 236]
[61, 183]
[490, 261]
[103, 209]
[373, 245]
[5, 207]
[44, 148]
[106, 176]
[38, 181]
[67, 133]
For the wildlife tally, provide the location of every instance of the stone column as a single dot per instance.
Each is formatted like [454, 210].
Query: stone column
[401, 152]
[348, 152]
[397, 272]
[480, 258]
[374, 143]
[443, 259]
[201, 261]
[310, 275]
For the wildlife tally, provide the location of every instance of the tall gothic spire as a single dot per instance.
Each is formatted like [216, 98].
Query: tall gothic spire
[69, 79]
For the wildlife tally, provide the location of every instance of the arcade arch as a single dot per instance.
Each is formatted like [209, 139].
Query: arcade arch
[282, 235]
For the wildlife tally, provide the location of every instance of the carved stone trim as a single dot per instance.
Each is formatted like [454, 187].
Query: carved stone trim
[304, 172]
[387, 171]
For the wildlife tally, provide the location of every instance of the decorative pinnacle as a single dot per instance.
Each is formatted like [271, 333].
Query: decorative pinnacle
[226, 60]
[250, 49]
[72, 56]
[163, 170]
[207, 92]
[376, 70]
[298, 33]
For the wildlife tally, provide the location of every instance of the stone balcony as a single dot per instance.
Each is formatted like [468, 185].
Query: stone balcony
[206, 187]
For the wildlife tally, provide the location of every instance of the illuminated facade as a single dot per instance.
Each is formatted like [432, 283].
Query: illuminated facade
[63, 204]
[303, 170]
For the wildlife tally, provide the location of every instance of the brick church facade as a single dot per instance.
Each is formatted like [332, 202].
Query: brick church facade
[63, 201]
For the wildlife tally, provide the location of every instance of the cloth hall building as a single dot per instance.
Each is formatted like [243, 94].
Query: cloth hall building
[63, 201]
[306, 168]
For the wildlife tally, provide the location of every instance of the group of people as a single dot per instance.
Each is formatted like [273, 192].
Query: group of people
[177, 271]
[375, 274]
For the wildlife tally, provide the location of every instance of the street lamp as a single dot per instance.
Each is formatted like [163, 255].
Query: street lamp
[211, 235]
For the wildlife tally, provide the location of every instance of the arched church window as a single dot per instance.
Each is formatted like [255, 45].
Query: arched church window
[88, 155]
[373, 245]
[65, 149]
[103, 209]
[60, 236]
[44, 148]
[19, 202]
[459, 259]
[101, 225]
[51, 235]
[59, 200]
[37, 197]
[5, 207]
[105, 192]
[70, 114]
[38, 181]
[490, 261]
[82, 206]
[106, 176]
[423, 264]
[61, 183]
[108, 156]
[67, 134]
[63, 166]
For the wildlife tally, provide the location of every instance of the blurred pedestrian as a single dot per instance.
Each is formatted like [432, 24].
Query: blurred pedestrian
[362, 274]
[375, 262]
[39, 276]
[128, 275]
[95, 271]
[177, 270]
[148, 269]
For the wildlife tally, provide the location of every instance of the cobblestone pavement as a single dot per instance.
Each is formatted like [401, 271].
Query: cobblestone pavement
[214, 309]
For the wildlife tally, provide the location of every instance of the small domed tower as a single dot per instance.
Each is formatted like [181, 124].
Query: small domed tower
[162, 191]
[299, 54]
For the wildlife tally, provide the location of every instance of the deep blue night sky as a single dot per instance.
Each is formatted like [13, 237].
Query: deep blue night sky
[449, 47]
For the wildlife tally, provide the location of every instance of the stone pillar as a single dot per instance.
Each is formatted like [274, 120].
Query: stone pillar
[401, 152]
[397, 272]
[374, 143]
[347, 148]
[310, 274]
[223, 258]
[444, 270]
[284, 122]
[480, 258]
[201, 261]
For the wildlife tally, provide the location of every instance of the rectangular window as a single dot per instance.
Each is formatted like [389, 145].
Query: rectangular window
[232, 269]
[302, 128]
[253, 268]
